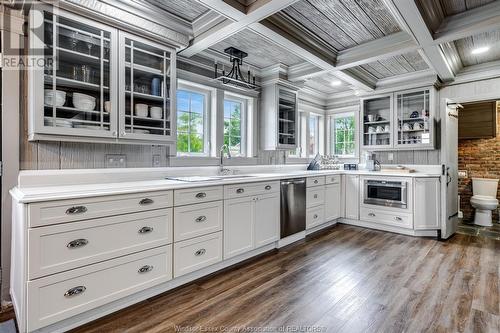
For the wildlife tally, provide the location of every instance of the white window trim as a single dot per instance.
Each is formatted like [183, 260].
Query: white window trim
[304, 157]
[248, 121]
[207, 126]
[342, 112]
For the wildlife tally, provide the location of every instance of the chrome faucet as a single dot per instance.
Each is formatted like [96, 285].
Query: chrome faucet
[222, 170]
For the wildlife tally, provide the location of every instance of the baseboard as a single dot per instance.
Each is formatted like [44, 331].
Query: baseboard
[383, 227]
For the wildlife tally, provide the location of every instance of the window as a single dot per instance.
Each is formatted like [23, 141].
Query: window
[314, 134]
[233, 126]
[342, 134]
[191, 123]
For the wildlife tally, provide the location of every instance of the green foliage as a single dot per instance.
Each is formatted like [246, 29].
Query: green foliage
[344, 136]
[232, 126]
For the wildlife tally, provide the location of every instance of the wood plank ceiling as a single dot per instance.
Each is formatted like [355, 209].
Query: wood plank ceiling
[188, 10]
[487, 39]
[402, 64]
[343, 23]
[261, 52]
[452, 7]
[323, 84]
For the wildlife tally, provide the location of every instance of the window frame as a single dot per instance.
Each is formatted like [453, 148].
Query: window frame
[247, 125]
[185, 86]
[303, 135]
[341, 113]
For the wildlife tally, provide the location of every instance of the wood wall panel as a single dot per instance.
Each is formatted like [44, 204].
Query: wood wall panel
[477, 121]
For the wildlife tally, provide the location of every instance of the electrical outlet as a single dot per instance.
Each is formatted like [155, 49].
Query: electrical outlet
[156, 160]
[390, 156]
[462, 174]
[116, 161]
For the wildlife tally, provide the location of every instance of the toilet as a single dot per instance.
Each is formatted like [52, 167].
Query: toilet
[484, 200]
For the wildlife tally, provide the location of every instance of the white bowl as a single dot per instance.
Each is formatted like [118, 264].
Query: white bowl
[141, 110]
[60, 97]
[83, 102]
[107, 106]
[156, 112]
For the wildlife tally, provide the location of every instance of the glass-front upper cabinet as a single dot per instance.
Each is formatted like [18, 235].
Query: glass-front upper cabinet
[376, 120]
[147, 89]
[72, 89]
[414, 118]
[287, 118]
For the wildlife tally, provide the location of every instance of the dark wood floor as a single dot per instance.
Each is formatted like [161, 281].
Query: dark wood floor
[347, 279]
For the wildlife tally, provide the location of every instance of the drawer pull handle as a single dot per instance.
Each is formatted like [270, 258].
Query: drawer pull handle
[201, 195]
[202, 218]
[268, 187]
[145, 230]
[77, 243]
[146, 201]
[315, 216]
[371, 214]
[145, 269]
[76, 210]
[315, 196]
[398, 218]
[75, 291]
[315, 181]
[200, 252]
[240, 190]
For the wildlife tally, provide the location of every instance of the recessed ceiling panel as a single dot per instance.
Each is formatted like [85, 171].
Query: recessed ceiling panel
[406, 63]
[327, 84]
[488, 42]
[452, 7]
[261, 52]
[186, 9]
[343, 23]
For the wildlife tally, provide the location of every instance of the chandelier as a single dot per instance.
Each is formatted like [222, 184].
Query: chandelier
[235, 77]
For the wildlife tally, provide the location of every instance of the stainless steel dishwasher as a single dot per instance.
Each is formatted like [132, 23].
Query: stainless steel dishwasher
[293, 206]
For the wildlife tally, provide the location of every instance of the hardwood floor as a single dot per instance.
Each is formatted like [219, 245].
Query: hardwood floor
[346, 279]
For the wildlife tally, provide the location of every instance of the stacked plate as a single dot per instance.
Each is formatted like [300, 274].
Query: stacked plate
[83, 102]
[58, 98]
[49, 121]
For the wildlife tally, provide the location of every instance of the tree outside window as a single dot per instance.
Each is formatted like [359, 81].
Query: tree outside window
[190, 122]
[313, 135]
[343, 131]
[232, 126]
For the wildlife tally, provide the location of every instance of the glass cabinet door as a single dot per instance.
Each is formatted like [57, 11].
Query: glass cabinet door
[287, 119]
[147, 90]
[414, 125]
[377, 125]
[78, 78]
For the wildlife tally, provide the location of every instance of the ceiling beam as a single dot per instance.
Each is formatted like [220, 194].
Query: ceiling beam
[301, 50]
[410, 19]
[236, 21]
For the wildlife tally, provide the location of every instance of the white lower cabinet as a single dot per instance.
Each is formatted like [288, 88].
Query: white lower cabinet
[197, 220]
[250, 222]
[351, 196]
[60, 296]
[332, 202]
[315, 216]
[194, 254]
[426, 212]
[396, 219]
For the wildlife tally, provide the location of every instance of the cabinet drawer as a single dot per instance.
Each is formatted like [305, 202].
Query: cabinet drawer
[315, 181]
[193, 254]
[63, 295]
[57, 248]
[385, 217]
[315, 216]
[333, 179]
[197, 195]
[315, 196]
[245, 190]
[54, 212]
[197, 220]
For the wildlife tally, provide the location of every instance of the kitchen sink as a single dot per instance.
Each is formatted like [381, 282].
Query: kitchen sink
[233, 176]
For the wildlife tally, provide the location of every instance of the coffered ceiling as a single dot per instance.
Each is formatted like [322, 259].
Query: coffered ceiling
[359, 42]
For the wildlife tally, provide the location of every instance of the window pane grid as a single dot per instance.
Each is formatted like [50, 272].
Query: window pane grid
[232, 125]
[190, 122]
[343, 136]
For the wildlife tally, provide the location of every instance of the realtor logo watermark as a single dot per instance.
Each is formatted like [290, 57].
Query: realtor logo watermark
[35, 52]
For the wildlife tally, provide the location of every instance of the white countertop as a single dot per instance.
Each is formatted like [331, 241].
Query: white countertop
[28, 194]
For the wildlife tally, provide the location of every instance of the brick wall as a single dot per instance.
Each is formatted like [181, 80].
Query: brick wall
[481, 158]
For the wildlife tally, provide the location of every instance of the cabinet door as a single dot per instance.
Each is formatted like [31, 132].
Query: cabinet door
[287, 119]
[352, 197]
[147, 90]
[377, 124]
[75, 93]
[414, 118]
[238, 226]
[267, 219]
[427, 203]
[332, 202]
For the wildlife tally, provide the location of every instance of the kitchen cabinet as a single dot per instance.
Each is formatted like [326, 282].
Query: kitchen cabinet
[98, 83]
[279, 121]
[332, 202]
[399, 120]
[250, 222]
[351, 196]
[427, 198]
